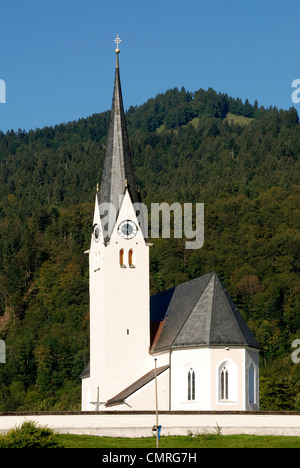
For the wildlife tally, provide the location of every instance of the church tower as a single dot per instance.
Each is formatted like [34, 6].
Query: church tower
[118, 272]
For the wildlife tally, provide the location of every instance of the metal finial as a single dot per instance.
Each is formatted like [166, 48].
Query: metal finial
[97, 188]
[117, 41]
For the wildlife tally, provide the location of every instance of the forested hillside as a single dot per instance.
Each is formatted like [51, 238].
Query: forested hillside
[239, 159]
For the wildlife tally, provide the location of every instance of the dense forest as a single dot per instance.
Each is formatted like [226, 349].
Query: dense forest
[239, 159]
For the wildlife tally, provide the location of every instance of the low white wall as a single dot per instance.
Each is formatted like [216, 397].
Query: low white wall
[137, 424]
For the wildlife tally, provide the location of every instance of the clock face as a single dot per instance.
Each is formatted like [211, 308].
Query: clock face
[96, 232]
[127, 229]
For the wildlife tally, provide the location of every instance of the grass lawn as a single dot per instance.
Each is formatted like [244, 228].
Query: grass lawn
[200, 441]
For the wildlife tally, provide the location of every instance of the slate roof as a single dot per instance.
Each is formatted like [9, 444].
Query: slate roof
[118, 170]
[86, 372]
[121, 397]
[198, 313]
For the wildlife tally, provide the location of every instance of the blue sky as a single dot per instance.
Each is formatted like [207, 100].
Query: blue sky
[57, 57]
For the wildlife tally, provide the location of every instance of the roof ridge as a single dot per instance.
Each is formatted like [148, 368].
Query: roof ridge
[193, 307]
[222, 288]
[183, 284]
[132, 388]
[241, 327]
[208, 327]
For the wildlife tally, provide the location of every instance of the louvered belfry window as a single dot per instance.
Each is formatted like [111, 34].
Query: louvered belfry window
[121, 257]
[130, 254]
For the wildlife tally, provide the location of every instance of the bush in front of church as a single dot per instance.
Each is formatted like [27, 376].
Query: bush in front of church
[30, 435]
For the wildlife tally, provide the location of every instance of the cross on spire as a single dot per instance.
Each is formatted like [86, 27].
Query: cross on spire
[117, 41]
[118, 162]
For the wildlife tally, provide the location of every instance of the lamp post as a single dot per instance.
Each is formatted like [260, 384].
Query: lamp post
[156, 405]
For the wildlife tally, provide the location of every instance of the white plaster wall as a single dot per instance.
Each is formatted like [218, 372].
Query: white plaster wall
[134, 424]
[251, 356]
[119, 311]
[86, 395]
[145, 398]
[236, 359]
[206, 363]
[181, 361]
[162, 359]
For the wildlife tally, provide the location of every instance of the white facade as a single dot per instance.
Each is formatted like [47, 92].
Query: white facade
[194, 382]
[213, 378]
[198, 378]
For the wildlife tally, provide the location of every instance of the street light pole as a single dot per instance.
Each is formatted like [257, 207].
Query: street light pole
[156, 404]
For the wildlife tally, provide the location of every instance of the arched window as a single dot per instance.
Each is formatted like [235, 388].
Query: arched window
[224, 383]
[191, 384]
[251, 383]
[130, 259]
[121, 258]
[228, 381]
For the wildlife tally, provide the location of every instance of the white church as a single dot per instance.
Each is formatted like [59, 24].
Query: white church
[190, 340]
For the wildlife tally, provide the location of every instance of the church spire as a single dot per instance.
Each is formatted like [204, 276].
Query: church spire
[118, 172]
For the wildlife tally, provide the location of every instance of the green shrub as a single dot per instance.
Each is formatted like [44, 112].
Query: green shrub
[30, 435]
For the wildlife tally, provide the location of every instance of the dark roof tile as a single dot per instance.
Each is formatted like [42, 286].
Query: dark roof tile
[118, 170]
[199, 313]
[121, 397]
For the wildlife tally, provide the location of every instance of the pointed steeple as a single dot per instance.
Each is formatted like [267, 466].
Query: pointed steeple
[118, 172]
